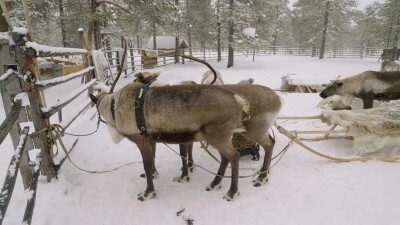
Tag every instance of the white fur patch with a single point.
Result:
(102, 87)
(244, 103)
(115, 134)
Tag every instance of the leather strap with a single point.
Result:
(139, 109)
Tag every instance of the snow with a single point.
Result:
(20, 30)
(6, 75)
(6, 36)
(163, 42)
(249, 32)
(302, 188)
(64, 78)
(48, 49)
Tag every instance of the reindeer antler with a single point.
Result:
(201, 61)
(123, 40)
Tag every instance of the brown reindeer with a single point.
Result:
(368, 86)
(188, 113)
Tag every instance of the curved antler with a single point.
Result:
(123, 40)
(201, 61)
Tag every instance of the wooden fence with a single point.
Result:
(364, 52)
(23, 95)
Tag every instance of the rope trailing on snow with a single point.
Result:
(55, 132)
(281, 154)
(337, 159)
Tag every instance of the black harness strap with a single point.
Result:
(139, 108)
(113, 108)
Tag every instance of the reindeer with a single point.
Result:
(369, 85)
(188, 113)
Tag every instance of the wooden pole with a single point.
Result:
(30, 205)
(7, 124)
(9, 90)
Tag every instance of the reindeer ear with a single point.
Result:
(340, 84)
(93, 98)
(139, 76)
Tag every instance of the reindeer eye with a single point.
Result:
(340, 84)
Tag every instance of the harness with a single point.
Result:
(139, 109)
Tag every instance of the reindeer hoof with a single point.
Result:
(231, 196)
(257, 182)
(213, 187)
(182, 179)
(191, 168)
(144, 196)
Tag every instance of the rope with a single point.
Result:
(55, 132)
(337, 159)
(282, 153)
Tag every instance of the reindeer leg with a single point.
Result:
(145, 146)
(228, 154)
(216, 183)
(267, 143)
(155, 172)
(185, 173)
(368, 101)
(191, 164)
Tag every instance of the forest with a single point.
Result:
(219, 24)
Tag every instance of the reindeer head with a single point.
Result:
(333, 88)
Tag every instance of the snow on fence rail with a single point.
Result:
(44, 84)
(49, 111)
(364, 52)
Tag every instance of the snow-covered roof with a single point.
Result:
(166, 42)
(249, 32)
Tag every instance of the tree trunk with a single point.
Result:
(137, 36)
(94, 26)
(154, 36)
(176, 32)
(275, 35)
(395, 55)
(3, 25)
(62, 20)
(230, 34)
(219, 30)
(325, 30)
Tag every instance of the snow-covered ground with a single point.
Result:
(302, 188)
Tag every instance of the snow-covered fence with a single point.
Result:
(11, 177)
(363, 52)
(26, 85)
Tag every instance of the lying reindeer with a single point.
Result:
(188, 113)
(369, 85)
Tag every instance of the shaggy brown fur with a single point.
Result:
(368, 86)
(188, 113)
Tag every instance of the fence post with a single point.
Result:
(87, 60)
(362, 51)
(29, 71)
(9, 90)
(132, 60)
